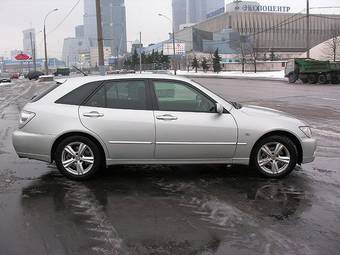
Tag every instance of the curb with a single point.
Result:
(233, 77)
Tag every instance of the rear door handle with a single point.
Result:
(166, 117)
(93, 115)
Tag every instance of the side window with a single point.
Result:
(120, 95)
(174, 96)
(78, 95)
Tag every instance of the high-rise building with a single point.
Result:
(73, 45)
(79, 31)
(114, 25)
(193, 11)
(29, 41)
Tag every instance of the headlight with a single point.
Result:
(25, 117)
(307, 131)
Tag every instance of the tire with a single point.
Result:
(275, 167)
(334, 79)
(312, 78)
(304, 80)
(323, 79)
(292, 78)
(90, 158)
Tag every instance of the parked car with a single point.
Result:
(88, 123)
(34, 75)
(15, 76)
(5, 80)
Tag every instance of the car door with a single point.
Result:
(120, 113)
(188, 126)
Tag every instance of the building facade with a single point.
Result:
(114, 25)
(29, 41)
(192, 11)
(269, 29)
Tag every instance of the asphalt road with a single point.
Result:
(200, 210)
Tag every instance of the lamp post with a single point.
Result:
(173, 41)
(45, 43)
(308, 30)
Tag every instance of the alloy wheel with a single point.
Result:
(273, 158)
(77, 158)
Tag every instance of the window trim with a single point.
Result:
(149, 105)
(155, 99)
(99, 84)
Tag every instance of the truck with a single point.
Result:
(312, 71)
(62, 71)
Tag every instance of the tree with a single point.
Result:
(135, 59)
(205, 64)
(217, 62)
(195, 64)
(254, 52)
(332, 47)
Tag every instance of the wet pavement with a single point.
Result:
(200, 209)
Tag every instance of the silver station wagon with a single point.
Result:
(88, 123)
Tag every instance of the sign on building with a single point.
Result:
(168, 49)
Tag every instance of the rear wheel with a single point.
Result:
(334, 79)
(304, 80)
(78, 158)
(312, 78)
(274, 156)
(323, 79)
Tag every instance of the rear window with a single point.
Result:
(78, 95)
(44, 93)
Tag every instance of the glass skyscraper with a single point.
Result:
(114, 25)
(193, 11)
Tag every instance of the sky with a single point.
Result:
(17, 15)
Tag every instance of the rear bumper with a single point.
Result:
(308, 149)
(32, 146)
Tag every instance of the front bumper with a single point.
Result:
(32, 146)
(308, 149)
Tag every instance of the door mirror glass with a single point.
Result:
(219, 108)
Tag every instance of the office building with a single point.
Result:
(269, 28)
(189, 12)
(114, 25)
(29, 41)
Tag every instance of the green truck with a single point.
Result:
(62, 72)
(312, 71)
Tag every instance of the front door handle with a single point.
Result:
(93, 115)
(166, 117)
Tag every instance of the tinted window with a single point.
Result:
(120, 95)
(174, 96)
(44, 93)
(77, 96)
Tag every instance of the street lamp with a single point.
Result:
(173, 41)
(45, 44)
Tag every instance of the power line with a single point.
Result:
(324, 17)
(67, 15)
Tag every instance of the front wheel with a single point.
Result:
(292, 78)
(275, 156)
(78, 158)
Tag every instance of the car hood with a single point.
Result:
(263, 112)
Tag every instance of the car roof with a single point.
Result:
(93, 78)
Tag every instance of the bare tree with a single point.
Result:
(254, 50)
(332, 47)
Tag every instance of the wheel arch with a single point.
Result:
(78, 133)
(291, 136)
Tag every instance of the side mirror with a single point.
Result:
(219, 108)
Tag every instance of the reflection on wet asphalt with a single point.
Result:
(165, 209)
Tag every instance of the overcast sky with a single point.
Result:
(17, 15)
